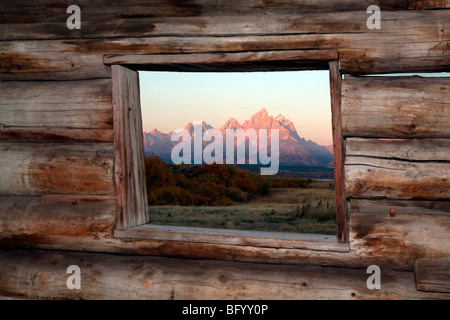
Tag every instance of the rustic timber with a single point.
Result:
(74, 199)
(56, 168)
(221, 25)
(401, 206)
(396, 107)
(432, 275)
(56, 104)
(418, 38)
(367, 177)
(42, 275)
(428, 4)
(50, 10)
(27, 218)
(338, 151)
(401, 238)
(129, 169)
(400, 149)
(235, 237)
(49, 134)
(226, 62)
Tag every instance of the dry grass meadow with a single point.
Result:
(298, 210)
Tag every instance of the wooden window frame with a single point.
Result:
(132, 207)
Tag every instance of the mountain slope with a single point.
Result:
(293, 148)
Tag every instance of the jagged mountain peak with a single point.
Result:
(293, 148)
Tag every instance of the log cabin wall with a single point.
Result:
(57, 185)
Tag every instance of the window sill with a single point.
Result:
(280, 240)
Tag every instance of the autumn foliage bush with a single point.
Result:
(213, 185)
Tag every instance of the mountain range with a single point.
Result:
(294, 150)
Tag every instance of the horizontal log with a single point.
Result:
(401, 238)
(75, 199)
(400, 149)
(43, 275)
(428, 4)
(42, 60)
(393, 179)
(55, 168)
(235, 237)
(61, 104)
(396, 107)
(103, 25)
(408, 42)
(401, 206)
(237, 61)
(38, 12)
(22, 217)
(26, 134)
(432, 275)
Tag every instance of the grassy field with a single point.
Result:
(311, 210)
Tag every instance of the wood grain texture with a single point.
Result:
(432, 275)
(106, 26)
(52, 9)
(402, 238)
(229, 62)
(56, 168)
(338, 151)
(393, 179)
(409, 41)
(22, 217)
(129, 169)
(402, 206)
(75, 199)
(428, 4)
(56, 104)
(400, 149)
(235, 237)
(396, 107)
(132, 277)
(51, 134)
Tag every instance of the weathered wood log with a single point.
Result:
(40, 274)
(60, 104)
(27, 134)
(129, 168)
(74, 199)
(22, 217)
(393, 179)
(432, 275)
(400, 149)
(401, 238)
(23, 12)
(402, 206)
(229, 62)
(235, 237)
(396, 107)
(55, 168)
(409, 35)
(218, 25)
(428, 4)
(338, 152)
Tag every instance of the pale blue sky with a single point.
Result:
(170, 100)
